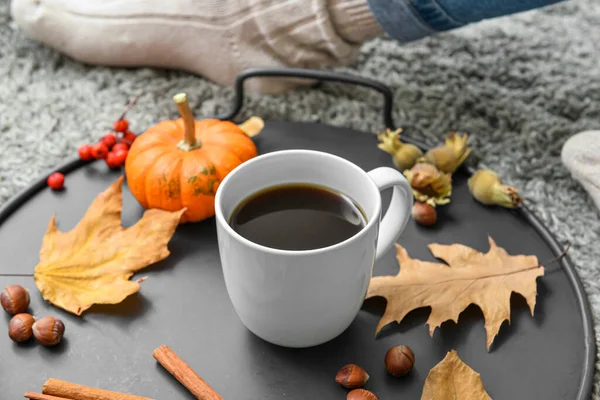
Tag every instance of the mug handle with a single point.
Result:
(398, 213)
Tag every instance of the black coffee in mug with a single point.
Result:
(297, 217)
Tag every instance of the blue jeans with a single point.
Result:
(407, 20)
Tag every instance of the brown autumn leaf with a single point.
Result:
(452, 379)
(92, 263)
(470, 277)
(252, 126)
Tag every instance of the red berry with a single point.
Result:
(99, 150)
(120, 147)
(111, 160)
(109, 140)
(116, 159)
(56, 181)
(129, 137)
(85, 152)
(121, 125)
(121, 156)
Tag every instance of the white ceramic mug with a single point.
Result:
(305, 298)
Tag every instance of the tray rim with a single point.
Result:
(587, 378)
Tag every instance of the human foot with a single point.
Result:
(213, 38)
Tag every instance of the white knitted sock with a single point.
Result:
(213, 38)
(581, 155)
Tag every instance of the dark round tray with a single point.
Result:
(184, 303)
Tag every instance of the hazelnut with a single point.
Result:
(48, 331)
(424, 214)
(20, 327)
(399, 360)
(14, 299)
(361, 394)
(352, 376)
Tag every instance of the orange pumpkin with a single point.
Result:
(177, 164)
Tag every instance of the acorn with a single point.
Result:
(352, 376)
(48, 331)
(14, 299)
(361, 394)
(487, 188)
(20, 327)
(404, 155)
(399, 360)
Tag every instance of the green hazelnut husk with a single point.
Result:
(404, 155)
(451, 155)
(429, 184)
(487, 188)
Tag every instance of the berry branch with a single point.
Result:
(113, 147)
(128, 107)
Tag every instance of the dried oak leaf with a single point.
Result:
(471, 277)
(252, 126)
(92, 263)
(452, 379)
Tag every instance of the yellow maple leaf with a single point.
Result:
(92, 263)
(452, 379)
(471, 277)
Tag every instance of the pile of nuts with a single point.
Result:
(399, 361)
(430, 175)
(15, 301)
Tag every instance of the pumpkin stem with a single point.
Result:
(189, 141)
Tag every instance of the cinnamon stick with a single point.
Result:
(39, 396)
(73, 391)
(184, 374)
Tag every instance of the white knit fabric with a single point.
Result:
(213, 38)
(581, 155)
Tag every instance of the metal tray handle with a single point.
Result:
(312, 74)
